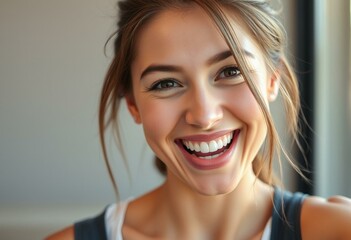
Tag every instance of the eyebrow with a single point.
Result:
(171, 68)
(160, 68)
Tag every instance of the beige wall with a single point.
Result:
(333, 84)
(51, 69)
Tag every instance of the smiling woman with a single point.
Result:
(199, 76)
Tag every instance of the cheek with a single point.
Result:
(248, 111)
(244, 105)
(158, 119)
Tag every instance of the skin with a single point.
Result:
(196, 100)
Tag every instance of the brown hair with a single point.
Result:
(267, 32)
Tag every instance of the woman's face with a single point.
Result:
(197, 112)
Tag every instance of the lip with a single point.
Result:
(209, 164)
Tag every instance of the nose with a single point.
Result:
(204, 110)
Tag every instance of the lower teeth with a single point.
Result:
(211, 156)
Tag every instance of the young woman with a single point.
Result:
(199, 76)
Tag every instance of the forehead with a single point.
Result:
(185, 36)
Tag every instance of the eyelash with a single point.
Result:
(231, 68)
(156, 86)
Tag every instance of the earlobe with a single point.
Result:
(133, 109)
(273, 87)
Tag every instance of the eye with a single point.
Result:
(164, 84)
(229, 72)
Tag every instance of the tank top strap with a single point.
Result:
(91, 229)
(105, 226)
(114, 219)
(286, 215)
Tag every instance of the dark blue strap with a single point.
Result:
(91, 229)
(286, 215)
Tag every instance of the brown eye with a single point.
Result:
(165, 84)
(229, 72)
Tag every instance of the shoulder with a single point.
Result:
(326, 218)
(64, 234)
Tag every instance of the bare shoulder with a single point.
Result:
(326, 218)
(64, 234)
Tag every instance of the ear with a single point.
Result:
(273, 86)
(133, 108)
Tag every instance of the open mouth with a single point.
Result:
(212, 149)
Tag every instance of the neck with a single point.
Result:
(241, 213)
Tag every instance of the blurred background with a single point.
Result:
(52, 65)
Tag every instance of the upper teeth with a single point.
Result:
(208, 147)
